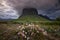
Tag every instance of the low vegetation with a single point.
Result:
(30, 27)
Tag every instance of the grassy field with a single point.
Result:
(30, 18)
(30, 27)
(31, 31)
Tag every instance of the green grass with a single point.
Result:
(8, 31)
(34, 19)
(30, 18)
(49, 26)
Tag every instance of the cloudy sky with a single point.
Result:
(49, 5)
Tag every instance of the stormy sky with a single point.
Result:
(50, 7)
(32, 3)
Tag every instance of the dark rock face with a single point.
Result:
(30, 11)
